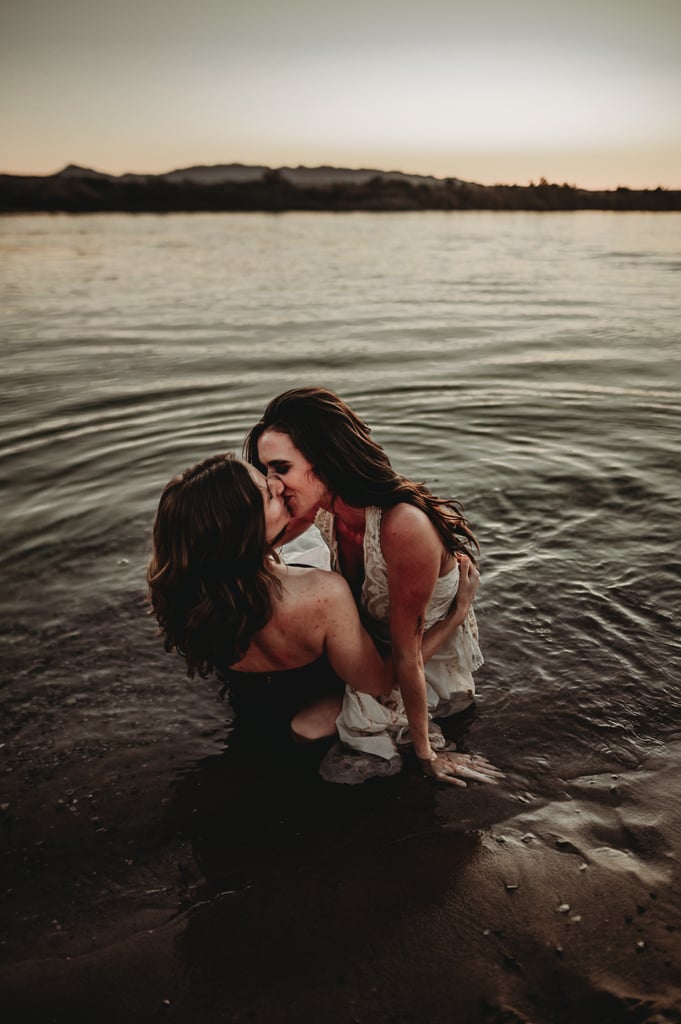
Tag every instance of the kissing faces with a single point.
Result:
(303, 491)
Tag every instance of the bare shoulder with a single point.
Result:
(314, 585)
(405, 525)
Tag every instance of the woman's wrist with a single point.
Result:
(427, 758)
(428, 765)
(458, 611)
(458, 617)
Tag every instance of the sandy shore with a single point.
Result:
(289, 900)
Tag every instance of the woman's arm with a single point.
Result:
(469, 580)
(349, 648)
(412, 552)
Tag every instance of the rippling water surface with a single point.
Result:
(528, 364)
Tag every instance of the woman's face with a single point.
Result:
(304, 492)
(277, 516)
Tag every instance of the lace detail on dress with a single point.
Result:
(325, 523)
(374, 594)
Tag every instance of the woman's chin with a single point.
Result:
(279, 537)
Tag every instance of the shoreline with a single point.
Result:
(206, 904)
(80, 190)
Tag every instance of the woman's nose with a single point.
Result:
(275, 485)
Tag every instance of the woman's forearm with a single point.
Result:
(434, 638)
(411, 681)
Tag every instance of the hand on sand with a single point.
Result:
(455, 768)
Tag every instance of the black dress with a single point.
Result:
(265, 702)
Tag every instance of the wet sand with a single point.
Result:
(229, 889)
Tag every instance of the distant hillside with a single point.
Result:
(223, 174)
(240, 187)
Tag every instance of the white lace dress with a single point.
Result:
(373, 729)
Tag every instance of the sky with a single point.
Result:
(493, 91)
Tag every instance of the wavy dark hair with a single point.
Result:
(342, 453)
(210, 584)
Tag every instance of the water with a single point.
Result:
(527, 364)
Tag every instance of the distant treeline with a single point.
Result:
(273, 192)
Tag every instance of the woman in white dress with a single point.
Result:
(408, 556)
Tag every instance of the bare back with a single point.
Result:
(295, 635)
(314, 615)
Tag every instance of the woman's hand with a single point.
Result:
(469, 581)
(447, 766)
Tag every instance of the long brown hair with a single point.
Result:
(342, 453)
(210, 582)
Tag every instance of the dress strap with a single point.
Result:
(326, 524)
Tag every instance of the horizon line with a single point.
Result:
(531, 183)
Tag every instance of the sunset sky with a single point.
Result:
(587, 92)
